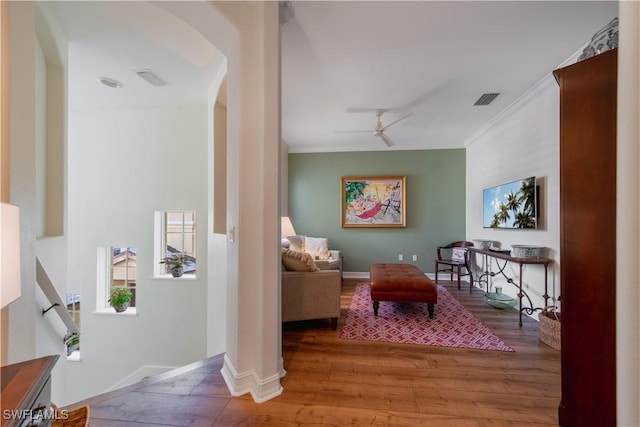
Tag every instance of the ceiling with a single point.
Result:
(112, 39)
(430, 59)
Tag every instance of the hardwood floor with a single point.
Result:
(336, 382)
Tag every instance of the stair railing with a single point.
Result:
(56, 302)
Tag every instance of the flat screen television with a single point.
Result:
(512, 205)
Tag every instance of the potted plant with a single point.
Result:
(119, 298)
(73, 343)
(175, 263)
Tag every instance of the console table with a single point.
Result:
(26, 392)
(507, 258)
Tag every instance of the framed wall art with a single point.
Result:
(373, 201)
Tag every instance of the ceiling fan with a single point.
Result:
(379, 129)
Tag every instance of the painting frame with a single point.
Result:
(369, 201)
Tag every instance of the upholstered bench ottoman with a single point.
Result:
(401, 283)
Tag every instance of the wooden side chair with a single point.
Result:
(76, 417)
(454, 256)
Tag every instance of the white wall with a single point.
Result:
(51, 118)
(22, 313)
(284, 179)
(30, 334)
(50, 200)
(249, 37)
(254, 349)
(49, 328)
(122, 166)
(41, 140)
(119, 168)
(522, 142)
(217, 224)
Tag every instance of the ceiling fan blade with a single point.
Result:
(386, 140)
(398, 120)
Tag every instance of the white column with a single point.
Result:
(253, 348)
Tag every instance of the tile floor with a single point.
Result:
(191, 396)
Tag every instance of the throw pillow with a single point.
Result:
(298, 261)
(296, 243)
(317, 247)
(458, 254)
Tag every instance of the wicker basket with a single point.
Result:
(550, 321)
(526, 251)
(484, 244)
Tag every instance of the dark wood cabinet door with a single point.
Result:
(588, 97)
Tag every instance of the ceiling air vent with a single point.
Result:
(150, 77)
(486, 98)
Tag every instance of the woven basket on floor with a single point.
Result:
(76, 417)
(550, 321)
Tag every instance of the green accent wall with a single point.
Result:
(435, 203)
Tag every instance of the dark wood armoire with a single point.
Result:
(588, 96)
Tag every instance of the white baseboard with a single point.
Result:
(141, 374)
(281, 371)
(365, 275)
(261, 389)
(355, 275)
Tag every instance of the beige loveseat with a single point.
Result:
(318, 248)
(308, 292)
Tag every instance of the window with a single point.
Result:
(72, 340)
(175, 237)
(123, 270)
(116, 268)
(73, 307)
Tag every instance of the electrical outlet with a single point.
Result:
(400, 257)
(415, 257)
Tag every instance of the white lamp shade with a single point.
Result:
(9, 254)
(286, 230)
(286, 227)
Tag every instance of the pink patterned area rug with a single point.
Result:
(452, 325)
